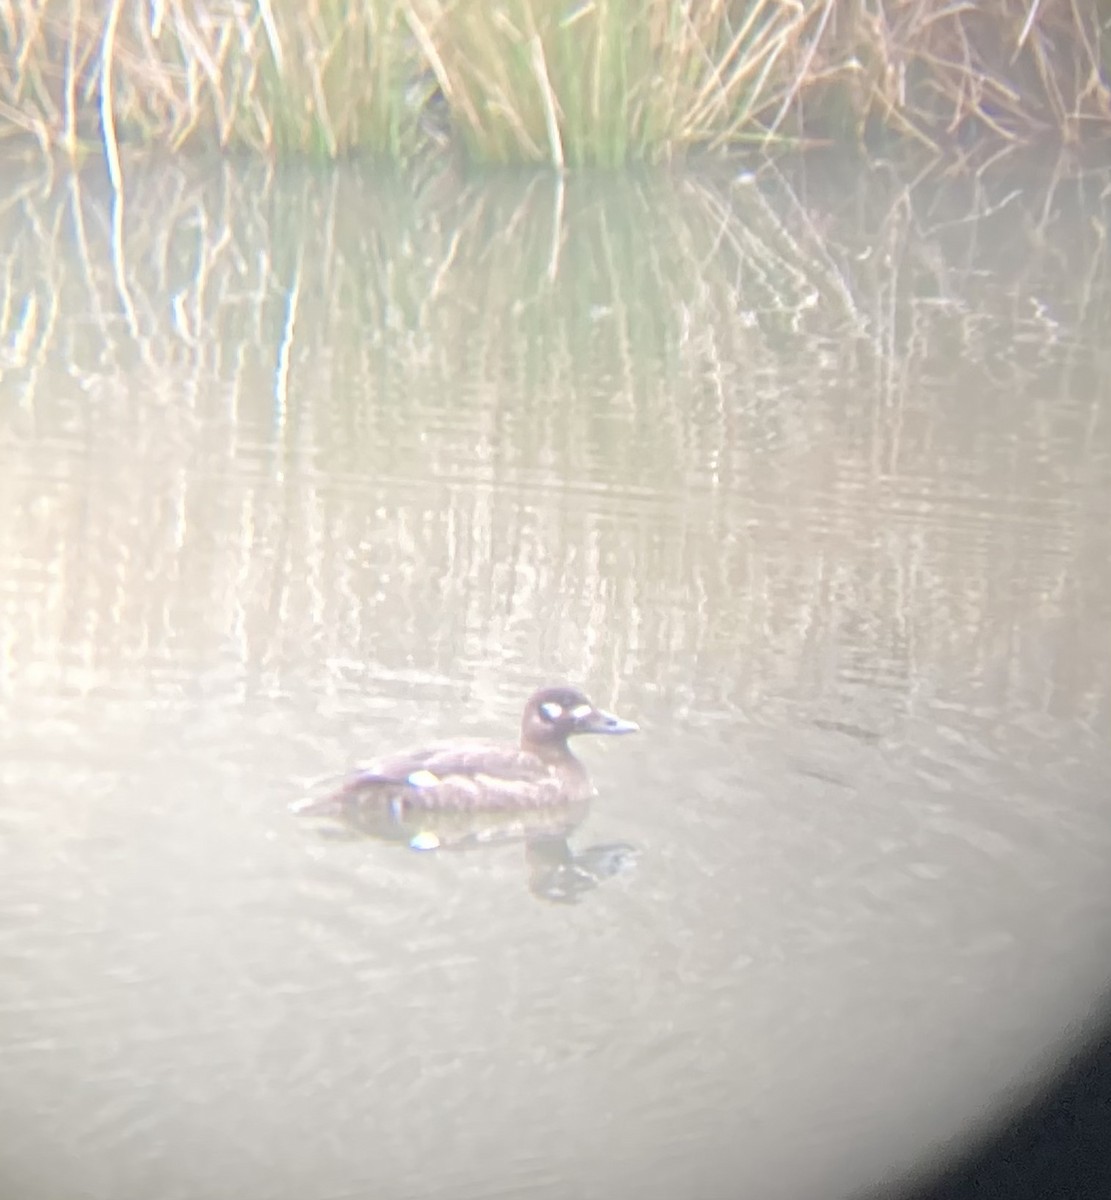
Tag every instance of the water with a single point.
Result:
(806, 473)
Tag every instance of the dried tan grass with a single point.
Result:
(321, 76)
(946, 72)
(600, 82)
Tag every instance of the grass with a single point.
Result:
(321, 76)
(598, 82)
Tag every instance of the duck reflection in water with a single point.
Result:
(471, 791)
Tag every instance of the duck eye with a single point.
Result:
(551, 711)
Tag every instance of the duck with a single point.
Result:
(475, 775)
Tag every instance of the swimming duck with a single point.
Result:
(463, 775)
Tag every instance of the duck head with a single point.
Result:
(553, 714)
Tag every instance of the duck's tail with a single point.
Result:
(321, 802)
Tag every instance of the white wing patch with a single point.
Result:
(422, 779)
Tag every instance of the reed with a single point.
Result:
(951, 74)
(609, 81)
(315, 76)
(600, 82)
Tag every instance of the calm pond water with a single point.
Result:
(807, 473)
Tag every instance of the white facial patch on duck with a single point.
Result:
(583, 710)
(552, 710)
(422, 779)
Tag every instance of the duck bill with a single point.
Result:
(600, 721)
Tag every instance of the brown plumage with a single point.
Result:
(466, 775)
